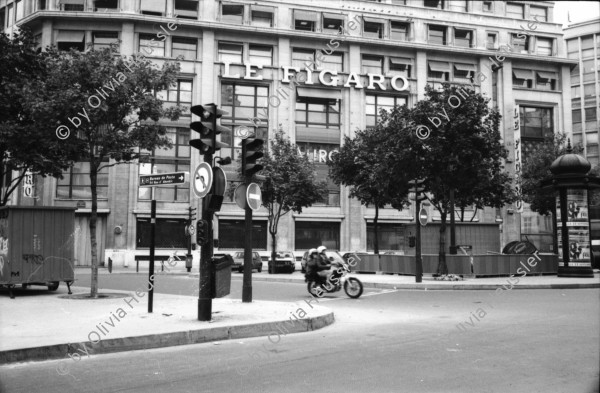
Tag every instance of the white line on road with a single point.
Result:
(364, 295)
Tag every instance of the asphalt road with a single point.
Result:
(386, 341)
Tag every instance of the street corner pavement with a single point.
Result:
(40, 325)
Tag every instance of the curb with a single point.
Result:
(150, 341)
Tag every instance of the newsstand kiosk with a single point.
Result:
(37, 246)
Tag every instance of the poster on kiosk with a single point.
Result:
(577, 227)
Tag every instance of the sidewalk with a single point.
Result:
(39, 324)
(394, 281)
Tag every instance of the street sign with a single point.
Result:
(160, 179)
(219, 181)
(253, 196)
(203, 177)
(240, 196)
(423, 216)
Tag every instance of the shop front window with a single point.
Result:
(391, 237)
(310, 234)
(232, 234)
(169, 233)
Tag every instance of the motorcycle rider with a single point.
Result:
(312, 265)
(323, 263)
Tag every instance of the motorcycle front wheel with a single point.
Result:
(353, 287)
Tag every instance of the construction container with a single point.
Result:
(36, 246)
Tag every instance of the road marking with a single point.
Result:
(363, 295)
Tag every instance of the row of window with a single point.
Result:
(170, 233)
(512, 10)
(530, 79)
(12, 13)
(589, 113)
(586, 45)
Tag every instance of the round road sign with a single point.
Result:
(219, 181)
(191, 230)
(253, 196)
(423, 216)
(240, 196)
(203, 177)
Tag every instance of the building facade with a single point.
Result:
(583, 45)
(319, 70)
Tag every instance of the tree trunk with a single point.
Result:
(375, 231)
(274, 246)
(442, 268)
(93, 219)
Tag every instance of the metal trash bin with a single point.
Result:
(221, 276)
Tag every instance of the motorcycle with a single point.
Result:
(335, 281)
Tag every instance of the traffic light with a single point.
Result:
(251, 151)
(412, 240)
(417, 189)
(208, 128)
(201, 232)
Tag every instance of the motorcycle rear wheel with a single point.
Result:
(312, 287)
(353, 287)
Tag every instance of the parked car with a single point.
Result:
(238, 261)
(284, 261)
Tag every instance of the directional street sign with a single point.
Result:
(203, 177)
(423, 217)
(253, 196)
(164, 178)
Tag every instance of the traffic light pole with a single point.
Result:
(247, 284)
(247, 280)
(206, 252)
(419, 260)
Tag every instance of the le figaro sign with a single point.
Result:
(325, 77)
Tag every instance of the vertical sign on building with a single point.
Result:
(518, 158)
(28, 185)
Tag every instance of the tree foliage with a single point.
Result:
(536, 167)
(464, 153)
(25, 142)
(364, 164)
(291, 182)
(108, 105)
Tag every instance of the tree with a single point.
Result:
(366, 165)
(536, 167)
(464, 154)
(25, 143)
(105, 107)
(291, 183)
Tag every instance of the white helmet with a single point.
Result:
(321, 249)
(312, 251)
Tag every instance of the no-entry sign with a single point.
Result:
(253, 196)
(423, 217)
